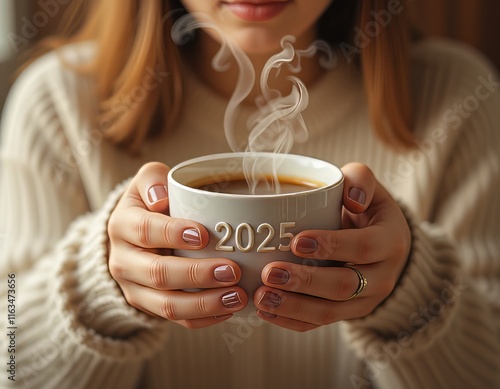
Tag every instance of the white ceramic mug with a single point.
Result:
(254, 229)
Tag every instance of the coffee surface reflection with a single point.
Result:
(265, 186)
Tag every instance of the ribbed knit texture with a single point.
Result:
(60, 181)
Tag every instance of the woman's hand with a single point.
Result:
(141, 239)
(375, 240)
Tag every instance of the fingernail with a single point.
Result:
(270, 300)
(157, 193)
(225, 273)
(231, 300)
(306, 245)
(278, 276)
(192, 237)
(357, 195)
(265, 315)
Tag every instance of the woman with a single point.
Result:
(100, 295)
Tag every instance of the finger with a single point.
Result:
(171, 272)
(332, 283)
(150, 186)
(180, 305)
(359, 187)
(151, 181)
(360, 246)
(146, 229)
(309, 309)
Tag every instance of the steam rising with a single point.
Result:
(277, 123)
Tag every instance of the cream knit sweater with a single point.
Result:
(73, 329)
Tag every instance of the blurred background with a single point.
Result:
(23, 22)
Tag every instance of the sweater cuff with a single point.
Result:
(425, 296)
(94, 306)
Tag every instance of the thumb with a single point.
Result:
(359, 187)
(150, 183)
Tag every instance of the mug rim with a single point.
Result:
(210, 157)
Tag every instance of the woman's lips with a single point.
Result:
(256, 11)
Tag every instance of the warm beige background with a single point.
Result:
(472, 21)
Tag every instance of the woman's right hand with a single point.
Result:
(141, 239)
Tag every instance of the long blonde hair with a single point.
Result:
(133, 38)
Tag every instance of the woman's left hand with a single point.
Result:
(375, 240)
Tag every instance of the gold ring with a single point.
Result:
(362, 282)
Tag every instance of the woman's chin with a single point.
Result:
(259, 44)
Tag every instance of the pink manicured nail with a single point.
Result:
(270, 300)
(231, 300)
(306, 245)
(357, 195)
(225, 273)
(157, 193)
(192, 237)
(278, 276)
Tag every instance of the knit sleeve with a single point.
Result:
(71, 325)
(441, 326)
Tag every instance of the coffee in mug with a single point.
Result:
(264, 186)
